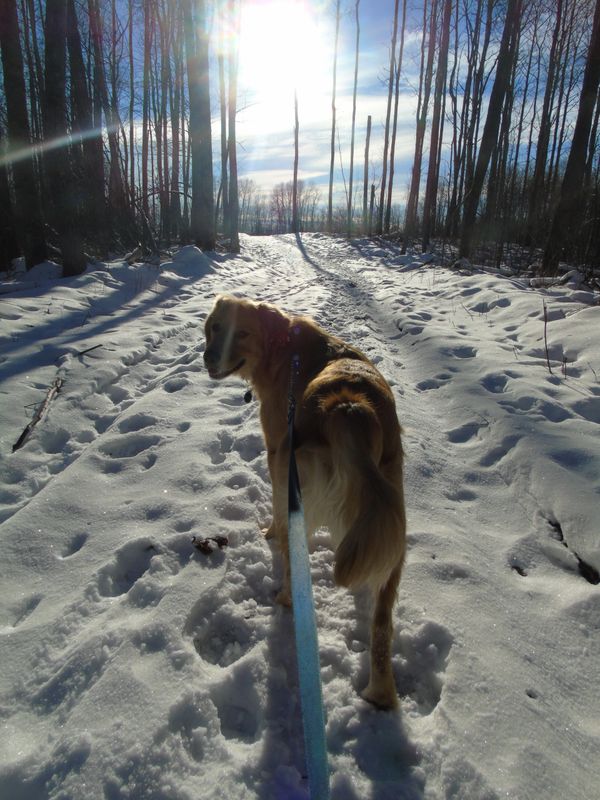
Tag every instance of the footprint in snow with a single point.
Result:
(239, 704)
(588, 409)
(25, 609)
(496, 454)
(74, 545)
(434, 383)
(136, 422)
(128, 445)
(117, 394)
(223, 638)
(54, 441)
(461, 351)
(176, 384)
(461, 496)
(465, 433)
(420, 675)
(495, 383)
(75, 675)
(131, 563)
(190, 720)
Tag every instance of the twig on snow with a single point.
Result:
(41, 410)
(89, 350)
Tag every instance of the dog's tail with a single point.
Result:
(370, 507)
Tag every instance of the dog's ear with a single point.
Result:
(274, 325)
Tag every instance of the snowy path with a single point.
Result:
(135, 667)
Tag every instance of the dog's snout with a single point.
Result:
(211, 358)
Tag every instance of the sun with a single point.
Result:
(283, 49)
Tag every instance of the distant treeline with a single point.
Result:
(105, 124)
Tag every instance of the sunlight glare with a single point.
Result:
(283, 47)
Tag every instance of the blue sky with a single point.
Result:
(285, 43)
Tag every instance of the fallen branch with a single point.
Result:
(41, 410)
(89, 350)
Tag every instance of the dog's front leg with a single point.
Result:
(278, 466)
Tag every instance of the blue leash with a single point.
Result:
(307, 645)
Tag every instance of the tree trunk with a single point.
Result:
(234, 209)
(120, 212)
(93, 156)
(202, 222)
(57, 160)
(566, 222)
(422, 109)
(295, 220)
(224, 146)
(333, 120)
(175, 109)
(388, 115)
(539, 173)
(390, 186)
(366, 179)
(9, 246)
(132, 149)
(506, 56)
(433, 173)
(351, 175)
(28, 213)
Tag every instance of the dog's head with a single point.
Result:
(241, 336)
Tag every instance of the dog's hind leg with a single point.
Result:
(381, 690)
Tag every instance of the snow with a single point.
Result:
(134, 666)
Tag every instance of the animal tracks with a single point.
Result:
(24, 608)
(164, 362)
(131, 562)
(425, 658)
(465, 433)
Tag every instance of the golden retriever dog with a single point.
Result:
(347, 446)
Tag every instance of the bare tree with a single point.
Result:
(427, 62)
(202, 222)
(351, 172)
(295, 218)
(398, 70)
(233, 168)
(539, 174)
(333, 118)
(566, 222)
(57, 163)
(433, 173)
(366, 178)
(92, 172)
(506, 56)
(28, 214)
(388, 114)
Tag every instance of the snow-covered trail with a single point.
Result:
(135, 667)
(479, 513)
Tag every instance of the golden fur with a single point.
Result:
(348, 450)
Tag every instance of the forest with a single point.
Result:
(118, 132)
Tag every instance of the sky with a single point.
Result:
(273, 62)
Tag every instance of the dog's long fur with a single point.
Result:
(348, 449)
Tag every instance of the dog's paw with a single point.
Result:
(270, 532)
(382, 695)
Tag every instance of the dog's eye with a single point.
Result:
(241, 334)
